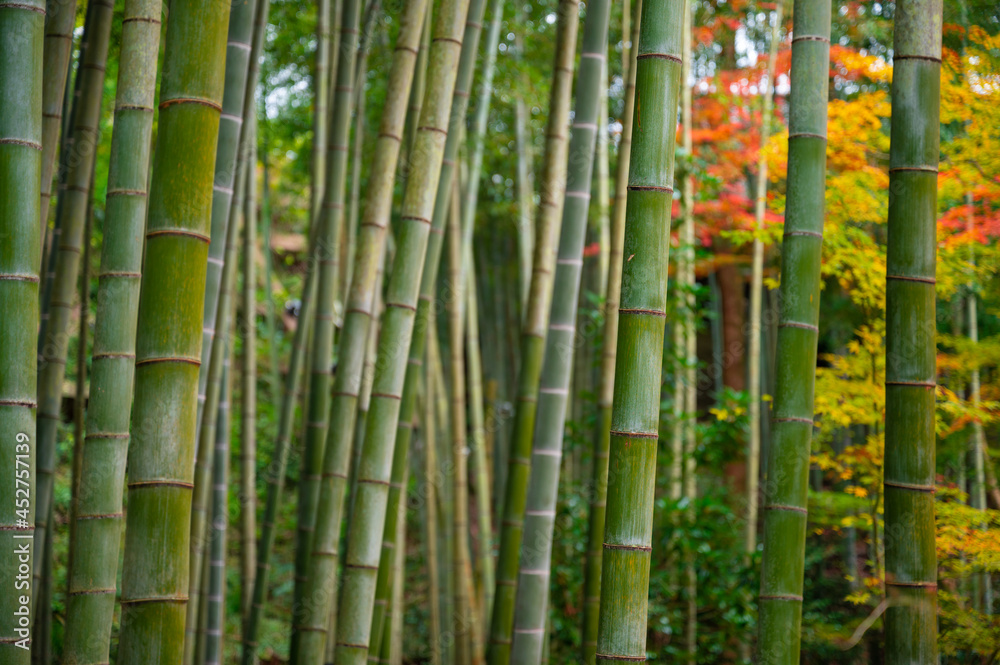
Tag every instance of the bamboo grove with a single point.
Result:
(491, 331)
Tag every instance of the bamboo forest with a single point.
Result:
(499, 332)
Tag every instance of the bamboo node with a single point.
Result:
(631, 548)
(28, 144)
(909, 278)
(629, 659)
(810, 38)
(781, 596)
(912, 384)
(930, 489)
(779, 506)
(661, 56)
(636, 435)
(16, 277)
(633, 310)
(192, 100)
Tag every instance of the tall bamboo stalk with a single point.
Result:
(605, 394)
(322, 74)
(785, 501)
(215, 607)
(757, 289)
(430, 501)
(60, 20)
(168, 345)
(323, 564)
(546, 455)
(73, 214)
(424, 314)
(248, 394)
(635, 412)
(525, 188)
(463, 615)
(307, 612)
(22, 34)
(357, 594)
(910, 556)
(92, 576)
(231, 139)
(202, 528)
(477, 135)
(553, 186)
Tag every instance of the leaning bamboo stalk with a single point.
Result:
(357, 592)
(635, 411)
(788, 456)
(248, 394)
(533, 331)
(430, 498)
(322, 565)
(72, 213)
(757, 290)
(168, 344)
(605, 394)
(239, 57)
(22, 34)
(215, 615)
(201, 535)
(424, 316)
(306, 611)
(910, 374)
(560, 347)
(90, 602)
(60, 20)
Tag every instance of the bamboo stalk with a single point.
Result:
(560, 342)
(533, 334)
(248, 376)
(311, 613)
(910, 557)
(430, 501)
(60, 20)
(59, 304)
(22, 34)
(90, 603)
(602, 439)
(168, 345)
(232, 137)
(788, 455)
(635, 412)
(757, 290)
(323, 564)
(357, 592)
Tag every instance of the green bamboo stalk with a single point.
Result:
(168, 347)
(525, 188)
(424, 317)
(22, 34)
(60, 20)
(463, 614)
(477, 421)
(540, 509)
(242, 72)
(80, 395)
(72, 213)
(202, 534)
(533, 334)
(313, 621)
(477, 136)
(248, 394)
(231, 139)
(757, 291)
(357, 595)
(92, 577)
(688, 388)
(430, 498)
(319, 409)
(785, 500)
(443, 491)
(605, 393)
(215, 618)
(635, 413)
(322, 74)
(910, 557)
